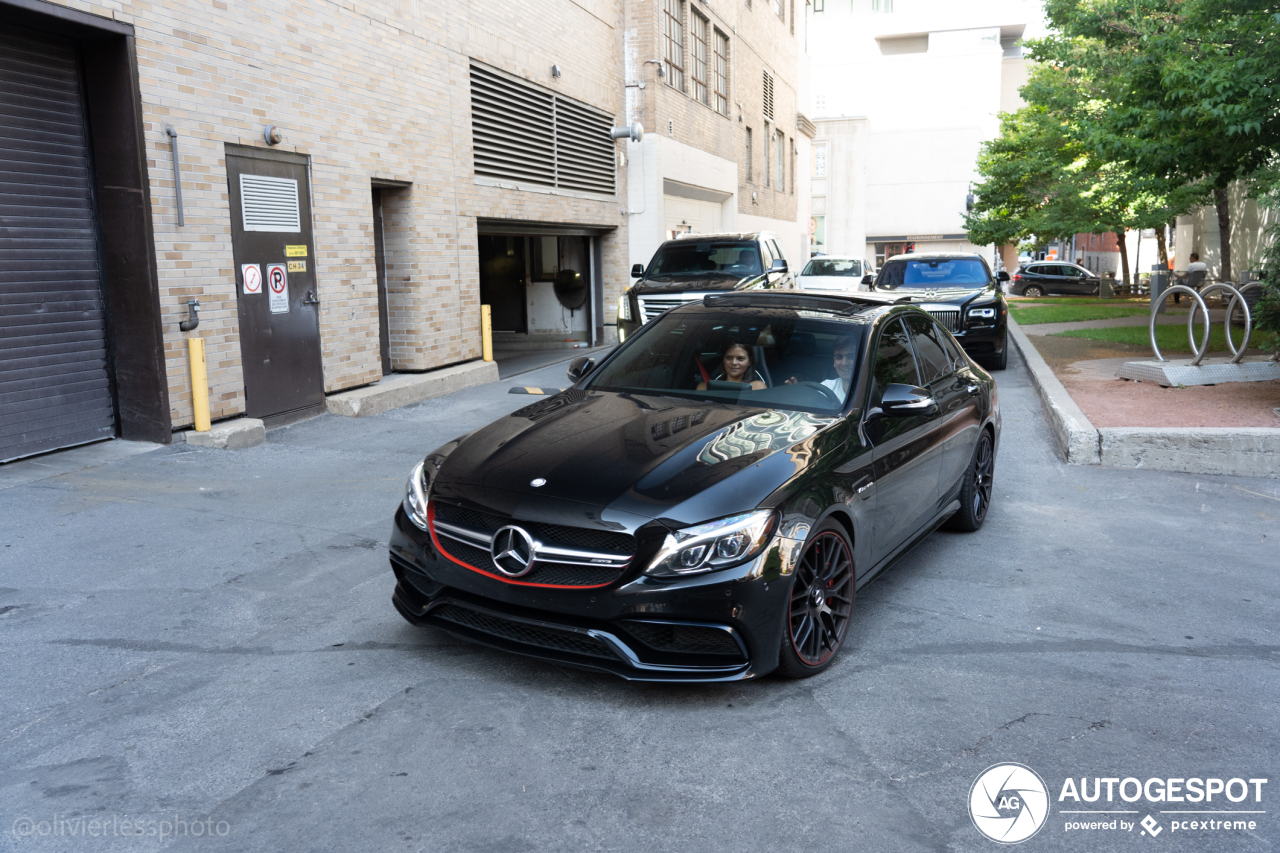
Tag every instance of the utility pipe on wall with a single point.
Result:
(199, 384)
(177, 174)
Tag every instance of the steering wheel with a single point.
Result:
(799, 376)
(832, 395)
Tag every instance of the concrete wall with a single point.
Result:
(841, 196)
(369, 90)
(1199, 233)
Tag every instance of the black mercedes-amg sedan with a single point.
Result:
(704, 504)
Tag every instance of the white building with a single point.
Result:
(905, 92)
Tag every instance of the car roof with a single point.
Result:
(728, 235)
(836, 258)
(847, 304)
(922, 256)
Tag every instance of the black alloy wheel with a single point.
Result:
(821, 603)
(1033, 290)
(975, 491)
(1001, 361)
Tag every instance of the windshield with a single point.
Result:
(833, 266)
(933, 274)
(764, 358)
(707, 257)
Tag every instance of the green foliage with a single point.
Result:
(1034, 314)
(1171, 338)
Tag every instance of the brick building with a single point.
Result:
(430, 156)
(717, 86)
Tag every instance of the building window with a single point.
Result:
(780, 151)
(768, 159)
(699, 55)
(793, 17)
(819, 6)
(820, 159)
(820, 102)
(881, 5)
(750, 177)
(673, 41)
(777, 8)
(768, 96)
(795, 155)
(722, 73)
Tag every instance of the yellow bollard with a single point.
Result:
(486, 333)
(199, 384)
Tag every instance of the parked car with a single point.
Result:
(1044, 277)
(833, 273)
(690, 266)
(657, 523)
(959, 290)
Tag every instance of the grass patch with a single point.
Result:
(1076, 300)
(1170, 338)
(1033, 314)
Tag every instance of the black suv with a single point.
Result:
(689, 267)
(1045, 277)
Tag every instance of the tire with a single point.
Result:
(818, 609)
(976, 488)
(1001, 361)
(1033, 290)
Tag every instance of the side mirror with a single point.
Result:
(637, 271)
(866, 279)
(1002, 276)
(580, 367)
(779, 265)
(900, 401)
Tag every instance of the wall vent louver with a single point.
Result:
(530, 136)
(768, 96)
(269, 204)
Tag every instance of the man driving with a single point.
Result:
(844, 357)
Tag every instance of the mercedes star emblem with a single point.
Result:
(538, 482)
(512, 551)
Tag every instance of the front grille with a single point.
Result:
(651, 306)
(684, 639)
(552, 534)
(522, 632)
(560, 574)
(950, 320)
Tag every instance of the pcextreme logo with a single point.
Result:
(1010, 803)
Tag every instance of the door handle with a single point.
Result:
(311, 298)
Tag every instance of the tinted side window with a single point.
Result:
(933, 361)
(777, 250)
(894, 363)
(958, 360)
(766, 254)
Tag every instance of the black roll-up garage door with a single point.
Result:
(55, 390)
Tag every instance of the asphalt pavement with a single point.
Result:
(200, 644)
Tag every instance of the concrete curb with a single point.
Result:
(230, 435)
(1232, 451)
(1235, 451)
(403, 389)
(1076, 437)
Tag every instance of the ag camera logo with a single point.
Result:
(1008, 803)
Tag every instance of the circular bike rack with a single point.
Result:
(1237, 298)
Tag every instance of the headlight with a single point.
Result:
(982, 313)
(416, 491)
(624, 308)
(714, 545)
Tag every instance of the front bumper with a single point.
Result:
(983, 340)
(720, 626)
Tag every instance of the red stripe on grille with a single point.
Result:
(431, 527)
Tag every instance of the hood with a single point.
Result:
(952, 295)
(694, 284)
(645, 456)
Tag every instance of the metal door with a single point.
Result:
(502, 282)
(55, 388)
(271, 243)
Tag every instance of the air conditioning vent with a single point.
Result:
(530, 136)
(269, 204)
(768, 96)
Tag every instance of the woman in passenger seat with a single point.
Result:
(737, 366)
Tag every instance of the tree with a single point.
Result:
(1191, 87)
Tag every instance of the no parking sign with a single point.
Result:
(278, 288)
